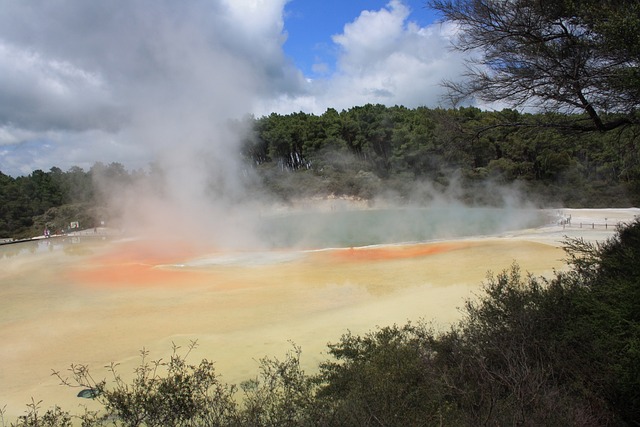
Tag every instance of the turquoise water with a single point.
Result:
(387, 226)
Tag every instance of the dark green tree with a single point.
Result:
(568, 55)
(606, 322)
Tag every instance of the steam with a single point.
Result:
(181, 79)
(186, 91)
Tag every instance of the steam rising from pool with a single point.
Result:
(187, 113)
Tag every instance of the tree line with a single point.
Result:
(364, 149)
(370, 149)
(53, 199)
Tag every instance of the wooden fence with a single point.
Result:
(591, 225)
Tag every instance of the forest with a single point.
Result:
(369, 150)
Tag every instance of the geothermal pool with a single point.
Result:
(95, 300)
(344, 228)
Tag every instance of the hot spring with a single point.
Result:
(345, 228)
(96, 299)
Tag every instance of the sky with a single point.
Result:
(132, 81)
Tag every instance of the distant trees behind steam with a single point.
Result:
(528, 351)
(371, 149)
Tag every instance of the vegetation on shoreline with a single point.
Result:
(367, 151)
(528, 351)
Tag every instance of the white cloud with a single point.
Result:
(372, 36)
(384, 58)
(43, 93)
(110, 81)
(154, 75)
(257, 18)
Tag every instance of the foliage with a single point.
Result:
(568, 55)
(510, 349)
(386, 377)
(54, 417)
(371, 149)
(183, 395)
(607, 316)
(51, 199)
(281, 395)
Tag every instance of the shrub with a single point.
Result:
(182, 395)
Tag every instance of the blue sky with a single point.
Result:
(310, 24)
(137, 81)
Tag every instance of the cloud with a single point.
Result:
(156, 78)
(43, 93)
(42, 150)
(372, 36)
(384, 58)
(150, 75)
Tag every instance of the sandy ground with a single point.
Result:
(95, 303)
